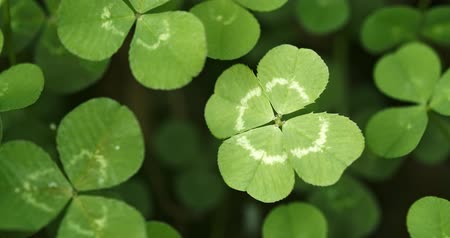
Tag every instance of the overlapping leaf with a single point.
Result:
(429, 217)
(167, 51)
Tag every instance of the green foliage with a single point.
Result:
(93, 154)
(389, 27)
(144, 6)
(159, 229)
(392, 26)
(91, 216)
(64, 72)
(295, 220)
(169, 41)
(322, 17)
(402, 75)
(241, 103)
(262, 5)
(173, 43)
(98, 155)
(27, 18)
(20, 86)
(33, 188)
(429, 217)
(349, 207)
(434, 147)
(231, 31)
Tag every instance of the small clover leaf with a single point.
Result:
(429, 217)
(295, 220)
(174, 43)
(392, 26)
(389, 27)
(260, 159)
(436, 25)
(64, 72)
(440, 102)
(350, 208)
(410, 74)
(93, 154)
(231, 31)
(262, 5)
(93, 216)
(33, 188)
(159, 229)
(325, 16)
(20, 86)
(27, 18)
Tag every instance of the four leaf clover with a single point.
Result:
(260, 158)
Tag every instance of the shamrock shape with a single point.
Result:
(100, 154)
(168, 49)
(411, 74)
(260, 158)
(231, 30)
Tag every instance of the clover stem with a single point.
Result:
(423, 4)
(8, 32)
(339, 72)
(278, 121)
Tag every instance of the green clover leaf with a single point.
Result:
(429, 217)
(20, 86)
(260, 159)
(160, 229)
(412, 74)
(295, 220)
(159, 57)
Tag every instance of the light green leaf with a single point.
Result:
(389, 27)
(90, 216)
(100, 144)
(321, 146)
(440, 101)
(292, 78)
(143, 6)
(262, 5)
(27, 18)
(20, 86)
(409, 74)
(434, 147)
(429, 217)
(173, 44)
(171, 5)
(199, 190)
(231, 31)
(238, 103)
(96, 29)
(395, 132)
(436, 25)
(33, 188)
(324, 16)
(65, 72)
(157, 229)
(255, 162)
(181, 135)
(350, 208)
(295, 220)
